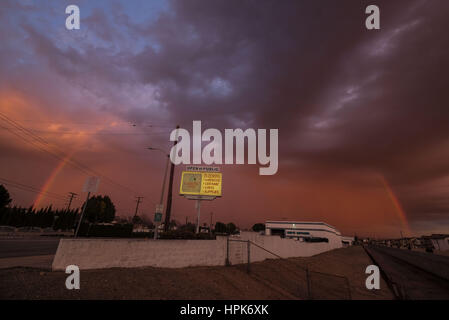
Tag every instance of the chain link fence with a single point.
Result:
(304, 283)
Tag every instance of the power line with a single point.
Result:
(7, 181)
(38, 141)
(99, 133)
(29, 188)
(133, 124)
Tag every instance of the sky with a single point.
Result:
(362, 114)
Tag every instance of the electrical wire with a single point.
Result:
(29, 188)
(40, 143)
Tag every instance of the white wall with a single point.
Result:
(127, 253)
(314, 229)
(124, 253)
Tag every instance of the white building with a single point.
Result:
(304, 231)
(347, 241)
(440, 241)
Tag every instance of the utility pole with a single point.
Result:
(72, 196)
(198, 210)
(160, 206)
(170, 188)
(139, 200)
(210, 226)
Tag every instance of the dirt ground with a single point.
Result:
(270, 279)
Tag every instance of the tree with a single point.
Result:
(189, 227)
(258, 227)
(172, 224)
(137, 220)
(100, 209)
(231, 228)
(4, 197)
(146, 221)
(220, 227)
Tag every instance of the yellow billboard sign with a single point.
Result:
(201, 183)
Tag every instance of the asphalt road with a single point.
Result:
(412, 276)
(27, 247)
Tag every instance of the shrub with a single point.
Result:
(181, 234)
(101, 230)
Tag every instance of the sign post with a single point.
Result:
(91, 185)
(198, 212)
(157, 218)
(201, 183)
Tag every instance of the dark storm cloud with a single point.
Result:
(397, 120)
(95, 63)
(275, 57)
(345, 100)
(343, 97)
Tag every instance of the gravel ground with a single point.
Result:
(270, 279)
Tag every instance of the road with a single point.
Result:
(25, 247)
(413, 275)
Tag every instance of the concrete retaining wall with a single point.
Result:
(131, 253)
(127, 253)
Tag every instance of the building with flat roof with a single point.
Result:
(347, 241)
(304, 231)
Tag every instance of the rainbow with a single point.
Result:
(397, 205)
(48, 183)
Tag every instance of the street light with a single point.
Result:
(170, 185)
(163, 184)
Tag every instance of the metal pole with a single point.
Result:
(249, 261)
(54, 222)
(156, 224)
(210, 226)
(309, 296)
(227, 251)
(170, 189)
(165, 178)
(82, 214)
(198, 211)
(349, 289)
